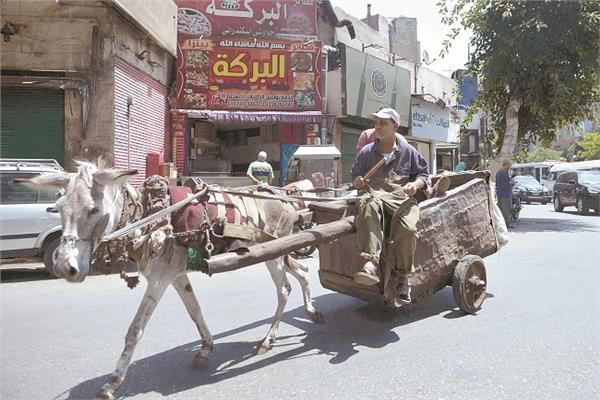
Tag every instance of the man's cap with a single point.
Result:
(386, 113)
(262, 155)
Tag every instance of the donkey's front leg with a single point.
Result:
(283, 288)
(154, 292)
(184, 289)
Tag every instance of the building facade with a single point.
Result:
(82, 81)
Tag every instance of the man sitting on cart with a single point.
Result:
(386, 220)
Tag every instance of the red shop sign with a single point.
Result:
(248, 74)
(291, 19)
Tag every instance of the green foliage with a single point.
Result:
(543, 154)
(590, 147)
(545, 53)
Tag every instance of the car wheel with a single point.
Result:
(49, 255)
(580, 207)
(544, 202)
(558, 205)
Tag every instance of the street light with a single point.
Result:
(373, 45)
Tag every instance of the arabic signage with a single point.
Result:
(284, 19)
(372, 83)
(248, 74)
(430, 121)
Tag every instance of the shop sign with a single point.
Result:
(248, 74)
(290, 19)
(430, 121)
(372, 83)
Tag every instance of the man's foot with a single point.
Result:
(403, 292)
(367, 276)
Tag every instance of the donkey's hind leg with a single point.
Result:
(154, 291)
(301, 274)
(184, 289)
(283, 288)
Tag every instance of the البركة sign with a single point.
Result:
(248, 74)
(284, 19)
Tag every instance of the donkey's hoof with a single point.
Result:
(264, 347)
(104, 395)
(316, 317)
(200, 361)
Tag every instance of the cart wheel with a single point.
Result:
(469, 284)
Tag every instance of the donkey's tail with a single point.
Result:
(293, 264)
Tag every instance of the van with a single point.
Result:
(557, 169)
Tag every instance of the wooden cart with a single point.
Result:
(455, 233)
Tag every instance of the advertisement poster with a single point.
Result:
(261, 19)
(372, 83)
(248, 74)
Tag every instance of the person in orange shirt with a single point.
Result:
(367, 136)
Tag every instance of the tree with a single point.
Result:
(541, 154)
(590, 147)
(538, 63)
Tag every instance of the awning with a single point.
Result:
(256, 116)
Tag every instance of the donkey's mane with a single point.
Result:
(86, 169)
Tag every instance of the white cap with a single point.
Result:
(262, 156)
(386, 113)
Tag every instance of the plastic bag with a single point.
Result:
(498, 221)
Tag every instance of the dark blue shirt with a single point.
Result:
(404, 161)
(503, 186)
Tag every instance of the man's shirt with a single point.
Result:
(261, 170)
(405, 160)
(367, 136)
(503, 186)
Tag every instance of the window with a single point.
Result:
(11, 193)
(472, 145)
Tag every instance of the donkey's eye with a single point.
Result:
(93, 211)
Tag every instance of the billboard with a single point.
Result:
(372, 83)
(248, 74)
(284, 19)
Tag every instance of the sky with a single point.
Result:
(430, 31)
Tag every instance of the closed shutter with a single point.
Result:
(32, 123)
(145, 129)
(349, 140)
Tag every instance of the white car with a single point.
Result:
(30, 225)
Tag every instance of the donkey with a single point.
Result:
(92, 207)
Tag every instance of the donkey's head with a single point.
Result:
(89, 209)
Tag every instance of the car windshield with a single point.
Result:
(589, 178)
(526, 180)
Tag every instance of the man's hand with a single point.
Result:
(359, 182)
(411, 187)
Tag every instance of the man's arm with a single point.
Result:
(250, 176)
(271, 174)
(418, 169)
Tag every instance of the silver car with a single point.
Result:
(29, 223)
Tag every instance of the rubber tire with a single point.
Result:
(558, 207)
(49, 255)
(581, 207)
(458, 284)
(544, 203)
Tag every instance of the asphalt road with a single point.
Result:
(537, 336)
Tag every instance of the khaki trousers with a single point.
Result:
(393, 217)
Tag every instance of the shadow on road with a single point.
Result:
(350, 324)
(526, 225)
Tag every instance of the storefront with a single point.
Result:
(368, 84)
(432, 120)
(33, 121)
(248, 79)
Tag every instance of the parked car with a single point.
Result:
(578, 188)
(531, 190)
(29, 223)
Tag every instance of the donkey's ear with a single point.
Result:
(113, 176)
(49, 182)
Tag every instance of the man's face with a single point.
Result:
(384, 128)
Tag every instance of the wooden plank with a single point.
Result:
(279, 247)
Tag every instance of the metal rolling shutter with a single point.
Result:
(147, 125)
(32, 123)
(349, 140)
